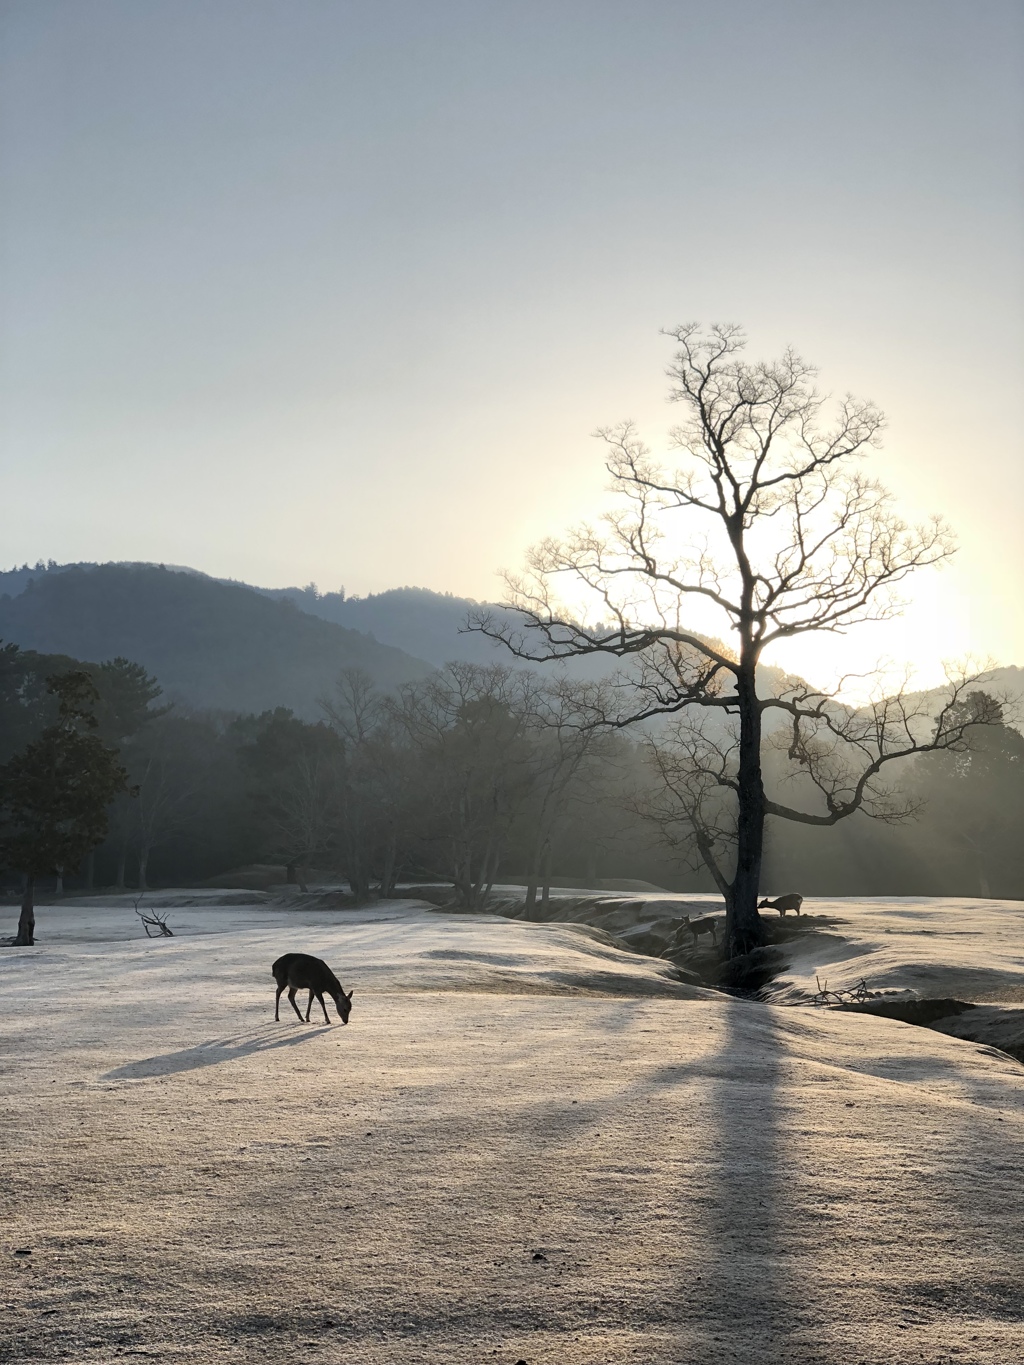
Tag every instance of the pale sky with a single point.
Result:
(337, 291)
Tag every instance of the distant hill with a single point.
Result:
(428, 625)
(431, 625)
(1008, 684)
(231, 646)
(1005, 684)
(210, 644)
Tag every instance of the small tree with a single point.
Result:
(469, 728)
(294, 771)
(126, 696)
(569, 758)
(974, 800)
(55, 793)
(124, 714)
(765, 522)
(377, 791)
(170, 762)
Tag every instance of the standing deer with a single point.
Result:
(300, 972)
(707, 925)
(784, 903)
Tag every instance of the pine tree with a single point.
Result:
(54, 794)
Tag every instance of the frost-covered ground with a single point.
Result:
(527, 1145)
(969, 949)
(958, 950)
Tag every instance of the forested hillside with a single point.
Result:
(427, 625)
(431, 625)
(212, 645)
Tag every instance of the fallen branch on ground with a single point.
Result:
(855, 995)
(154, 924)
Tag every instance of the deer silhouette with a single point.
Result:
(784, 903)
(300, 972)
(707, 925)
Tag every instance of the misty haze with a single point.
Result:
(512, 682)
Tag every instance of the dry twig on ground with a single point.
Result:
(154, 924)
(853, 995)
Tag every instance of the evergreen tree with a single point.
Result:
(54, 794)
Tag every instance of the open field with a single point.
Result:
(526, 1146)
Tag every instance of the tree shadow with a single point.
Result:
(733, 1286)
(748, 1288)
(791, 1234)
(211, 1053)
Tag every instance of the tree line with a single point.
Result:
(472, 776)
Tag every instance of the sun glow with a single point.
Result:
(933, 630)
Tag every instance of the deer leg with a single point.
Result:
(291, 1000)
(312, 993)
(277, 1004)
(323, 1006)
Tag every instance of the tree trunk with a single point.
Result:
(743, 928)
(27, 921)
(358, 875)
(531, 885)
(490, 876)
(387, 876)
(481, 879)
(462, 881)
(289, 874)
(143, 867)
(122, 863)
(90, 870)
(360, 887)
(58, 886)
(302, 878)
(545, 895)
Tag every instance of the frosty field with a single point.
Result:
(527, 1145)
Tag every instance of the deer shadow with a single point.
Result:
(211, 1053)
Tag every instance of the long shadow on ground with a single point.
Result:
(212, 1053)
(750, 1291)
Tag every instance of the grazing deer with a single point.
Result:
(707, 925)
(784, 903)
(300, 972)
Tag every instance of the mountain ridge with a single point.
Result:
(211, 645)
(426, 628)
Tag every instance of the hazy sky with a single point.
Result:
(337, 291)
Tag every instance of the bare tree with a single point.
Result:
(303, 816)
(765, 523)
(375, 792)
(569, 756)
(688, 800)
(469, 727)
(295, 774)
(169, 768)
